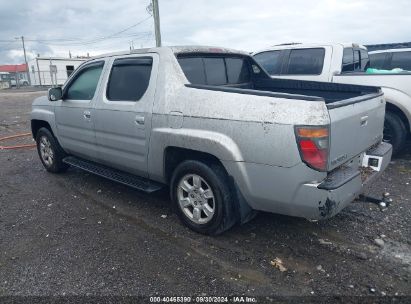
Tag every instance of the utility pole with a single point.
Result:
(25, 60)
(156, 15)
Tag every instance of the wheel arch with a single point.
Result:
(390, 107)
(173, 156)
(37, 124)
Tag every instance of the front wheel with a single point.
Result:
(201, 197)
(395, 132)
(50, 152)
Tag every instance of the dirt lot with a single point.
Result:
(79, 234)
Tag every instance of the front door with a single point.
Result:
(123, 112)
(75, 114)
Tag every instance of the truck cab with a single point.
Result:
(347, 63)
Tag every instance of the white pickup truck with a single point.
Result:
(345, 63)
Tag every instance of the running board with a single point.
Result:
(124, 178)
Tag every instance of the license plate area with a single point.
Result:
(372, 161)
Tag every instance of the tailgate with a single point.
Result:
(355, 125)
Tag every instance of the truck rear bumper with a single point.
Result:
(344, 185)
(280, 190)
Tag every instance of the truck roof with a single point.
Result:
(391, 51)
(310, 45)
(176, 50)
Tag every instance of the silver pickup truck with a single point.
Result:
(211, 123)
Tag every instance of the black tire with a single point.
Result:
(54, 164)
(215, 176)
(395, 132)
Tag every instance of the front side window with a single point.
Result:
(401, 60)
(306, 62)
(377, 60)
(85, 82)
(129, 78)
(270, 61)
(215, 70)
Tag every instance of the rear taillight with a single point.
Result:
(313, 143)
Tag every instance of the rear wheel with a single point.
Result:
(395, 132)
(202, 197)
(50, 152)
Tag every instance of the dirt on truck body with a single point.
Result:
(79, 234)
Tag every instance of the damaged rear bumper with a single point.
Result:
(342, 186)
(286, 190)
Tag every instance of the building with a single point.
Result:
(50, 71)
(387, 46)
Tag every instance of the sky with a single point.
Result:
(81, 27)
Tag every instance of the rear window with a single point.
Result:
(306, 62)
(270, 61)
(215, 70)
(129, 79)
(354, 60)
(377, 60)
(401, 60)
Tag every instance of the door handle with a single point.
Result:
(140, 120)
(364, 121)
(87, 114)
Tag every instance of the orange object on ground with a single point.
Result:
(16, 146)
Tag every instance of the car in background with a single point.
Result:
(347, 63)
(391, 59)
(23, 82)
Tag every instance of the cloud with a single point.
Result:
(247, 25)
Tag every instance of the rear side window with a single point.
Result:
(129, 79)
(270, 61)
(215, 70)
(306, 61)
(354, 60)
(85, 82)
(401, 60)
(357, 64)
(348, 60)
(364, 59)
(377, 60)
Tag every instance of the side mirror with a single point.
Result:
(55, 94)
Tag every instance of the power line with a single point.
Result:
(80, 41)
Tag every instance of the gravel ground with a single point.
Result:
(79, 234)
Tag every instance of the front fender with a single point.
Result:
(44, 114)
(399, 99)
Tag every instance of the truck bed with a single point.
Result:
(330, 92)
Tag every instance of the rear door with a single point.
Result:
(124, 110)
(75, 113)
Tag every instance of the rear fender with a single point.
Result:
(217, 144)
